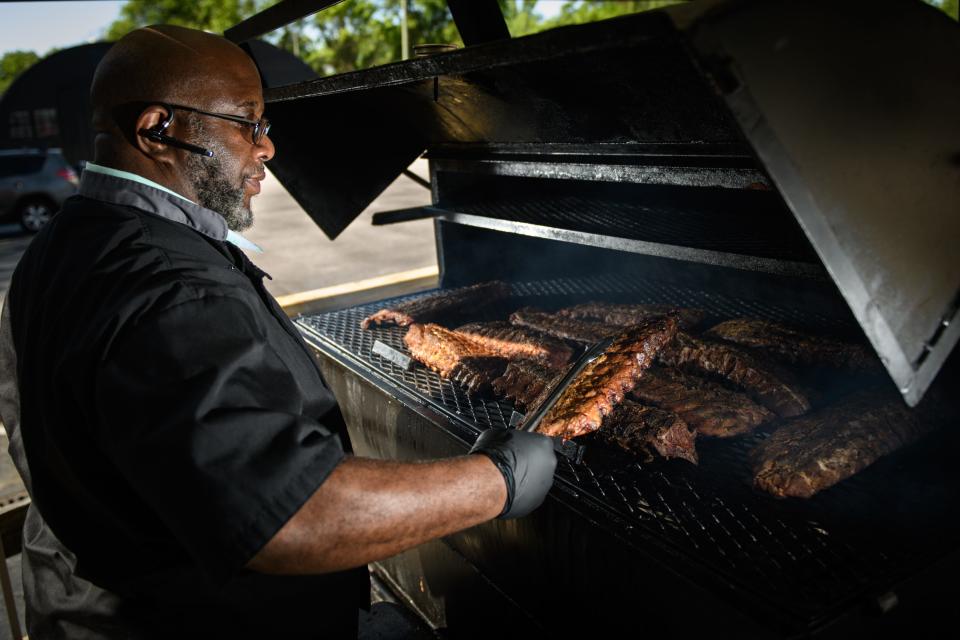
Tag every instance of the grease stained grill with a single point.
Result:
(805, 559)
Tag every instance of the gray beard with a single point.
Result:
(214, 189)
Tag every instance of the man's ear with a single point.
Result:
(152, 120)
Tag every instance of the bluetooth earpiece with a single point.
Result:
(157, 134)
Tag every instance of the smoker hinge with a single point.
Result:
(945, 321)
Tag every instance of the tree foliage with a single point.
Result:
(357, 34)
(362, 33)
(210, 15)
(521, 16)
(582, 11)
(949, 7)
(352, 35)
(12, 64)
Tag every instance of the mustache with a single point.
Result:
(260, 173)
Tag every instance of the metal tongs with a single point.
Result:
(568, 448)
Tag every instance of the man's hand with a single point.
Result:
(527, 462)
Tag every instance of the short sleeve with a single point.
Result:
(203, 418)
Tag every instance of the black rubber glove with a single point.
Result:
(527, 462)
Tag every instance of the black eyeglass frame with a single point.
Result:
(261, 127)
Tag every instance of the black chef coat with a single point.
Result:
(170, 421)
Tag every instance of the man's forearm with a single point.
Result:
(369, 509)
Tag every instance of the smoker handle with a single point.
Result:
(405, 215)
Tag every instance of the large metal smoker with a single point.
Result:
(795, 161)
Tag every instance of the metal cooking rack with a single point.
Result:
(806, 558)
(759, 236)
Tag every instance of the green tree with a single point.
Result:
(430, 22)
(210, 15)
(949, 7)
(215, 16)
(354, 35)
(12, 64)
(521, 17)
(357, 34)
(580, 11)
(363, 33)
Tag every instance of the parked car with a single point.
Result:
(33, 185)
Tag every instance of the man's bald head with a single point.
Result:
(164, 63)
(146, 95)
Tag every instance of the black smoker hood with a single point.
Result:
(847, 109)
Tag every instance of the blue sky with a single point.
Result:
(40, 26)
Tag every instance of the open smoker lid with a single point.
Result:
(853, 109)
(849, 106)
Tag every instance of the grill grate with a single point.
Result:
(709, 228)
(807, 558)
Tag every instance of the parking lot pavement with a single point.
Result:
(297, 254)
(300, 257)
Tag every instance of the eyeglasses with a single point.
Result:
(260, 127)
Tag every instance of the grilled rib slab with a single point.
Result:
(582, 331)
(762, 380)
(809, 454)
(517, 342)
(710, 408)
(624, 315)
(602, 383)
(433, 307)
(795, 347)
(524, 381)
(647, 430)
(454, 356)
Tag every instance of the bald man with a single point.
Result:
(188, 468)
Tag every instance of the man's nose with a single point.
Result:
(264, 150)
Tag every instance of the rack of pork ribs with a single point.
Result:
(662, 383)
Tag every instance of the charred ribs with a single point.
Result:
(624, 315)
(646, 430)
(763, 381)
(582, 331)
(603, 383)
(710, 408)
(794, 347)
(454, 356)
(518, 342)
(809, 454)
(524, 381)
(433, 307)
